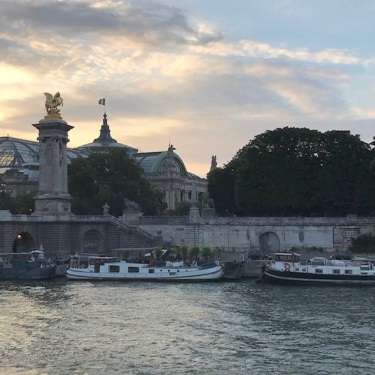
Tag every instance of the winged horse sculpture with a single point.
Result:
(52, 104)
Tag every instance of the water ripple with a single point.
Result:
(63, 327)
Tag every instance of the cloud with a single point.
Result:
(166, 76)
(148, 23)
(256, 49)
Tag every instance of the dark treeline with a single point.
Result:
(110, 178)
(297, 172)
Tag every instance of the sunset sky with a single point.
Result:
(204, 75)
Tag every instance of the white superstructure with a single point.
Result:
(109, 268)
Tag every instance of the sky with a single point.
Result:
(204, 75)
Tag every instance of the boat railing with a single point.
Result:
(318, 261)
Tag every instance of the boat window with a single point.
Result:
(336, 271)
(318, 270)
(114, 268)
(348, 272)
(151, 270)
(287, 257)
(365, 267)
(133, 269)
(318, 262)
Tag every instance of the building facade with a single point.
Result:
(19, 165)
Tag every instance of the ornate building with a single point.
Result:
(19, 165)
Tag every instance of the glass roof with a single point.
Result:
(17, 153)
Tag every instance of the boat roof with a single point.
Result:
(24, 253)
(281, 253)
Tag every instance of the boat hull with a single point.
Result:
(61, 270)
(233, 270)
(26, 273)
(144, 274)
(271, 276)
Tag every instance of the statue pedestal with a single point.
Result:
(194, 214)
(53, 197)
(52, 205)
(131, 217)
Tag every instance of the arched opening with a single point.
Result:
(269, 242)
(23, 243)
(92, 241)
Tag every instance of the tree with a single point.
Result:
(182, 209)
(221, 187)
(110, 178)
(22, 203)
(297, 172)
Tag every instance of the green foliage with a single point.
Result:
(158, 251)
(364, 243)
(173, 250)
(110, 178)
(22, 203)
(125, 254)
(206, 252)
(221, 187)
(182, 209)
(297, 172)
(184, 252)
(193, 253)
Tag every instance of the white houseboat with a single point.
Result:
(288, 268)
(109, 268)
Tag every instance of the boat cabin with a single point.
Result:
(287, 257)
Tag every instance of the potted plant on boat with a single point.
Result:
(158, 251)
(206, 252)
(184, 252)
(193, 253)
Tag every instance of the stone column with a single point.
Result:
(53, 197)
(194, 210)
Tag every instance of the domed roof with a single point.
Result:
(105, 141)
(158, 161)
(17, 153)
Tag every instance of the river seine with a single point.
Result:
(67, 327)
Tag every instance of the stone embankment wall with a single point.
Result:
(235, 234)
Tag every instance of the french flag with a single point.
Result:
(101, 101)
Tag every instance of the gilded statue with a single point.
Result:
(52, 104)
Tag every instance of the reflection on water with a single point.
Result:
(62, 327)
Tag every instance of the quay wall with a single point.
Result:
(235, 234)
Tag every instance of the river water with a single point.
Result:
(68, 327)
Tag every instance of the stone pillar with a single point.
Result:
(194, 210)
(53, 197)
